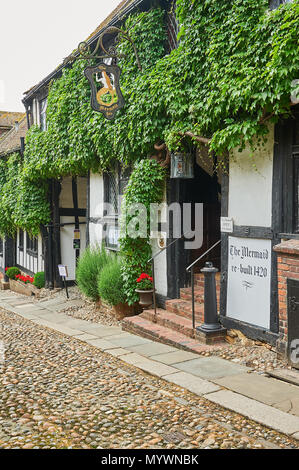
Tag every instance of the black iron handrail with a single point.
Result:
(202, 256)
(191, 268)
(152, 260)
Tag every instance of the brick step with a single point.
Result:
(170, 320)
(145, 328)
(184, 308)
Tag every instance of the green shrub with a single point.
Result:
(110, 283)
(90, 264)
(12, 272)
(39, 280)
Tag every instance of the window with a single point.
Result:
(1, 247)
(31, 247)
(21, 240)
(114, 187)
(276, 3)
(172, 28)
(111, 193)
(43, 114)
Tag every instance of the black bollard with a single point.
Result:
(211, 321)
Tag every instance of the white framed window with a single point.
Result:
(43, 114)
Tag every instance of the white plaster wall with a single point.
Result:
(66, 195)
(32, 263)
(161, 260)
(96, 195)
(68, 254)
(250, 185)
(41, 264)
(2, 260)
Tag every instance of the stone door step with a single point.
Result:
(170, 320)
(145, 328)
(286, 375)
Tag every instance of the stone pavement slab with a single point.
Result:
(211, 367)
(175, 357)
(51, 302)
(52, 317)
(263, 389)
(85, 337)
(259, 412)
(28, 316)
(100, 330)
(289, 406)
(101, 344)
(57, 327)
(153, 367)
(127, 340)
(117, 352)
(192, 383)
(287, 375)
(151, 348)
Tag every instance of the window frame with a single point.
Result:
(43, 114)
(31, 246)
(286, 157)
(21, 246)
(111, 220)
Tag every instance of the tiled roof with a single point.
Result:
(11, 141)
(8, 118)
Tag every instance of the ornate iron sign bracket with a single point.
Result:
(106, 95)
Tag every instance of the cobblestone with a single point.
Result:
(57, 392)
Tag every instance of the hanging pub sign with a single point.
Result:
(106, 96)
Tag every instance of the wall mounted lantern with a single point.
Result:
(182, 165)
(106, 95)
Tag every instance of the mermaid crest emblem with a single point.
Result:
(106, 96)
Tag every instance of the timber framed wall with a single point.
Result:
(248, 197)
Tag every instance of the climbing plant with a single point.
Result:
(23, 203)
(230, 75)
(146, 186)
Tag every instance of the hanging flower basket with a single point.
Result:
(145, 290)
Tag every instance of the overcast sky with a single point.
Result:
(36, 35)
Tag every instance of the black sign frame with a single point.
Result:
(108, 110)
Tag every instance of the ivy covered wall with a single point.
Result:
(230, 74)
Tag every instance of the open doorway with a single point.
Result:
(204, 188)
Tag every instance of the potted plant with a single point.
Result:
(145, 290)
(111, 289)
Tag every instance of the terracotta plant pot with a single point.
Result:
(145, 297)
(123, 310)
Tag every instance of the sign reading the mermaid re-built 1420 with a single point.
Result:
(249, 280)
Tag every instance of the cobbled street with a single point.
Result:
(57, 392)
